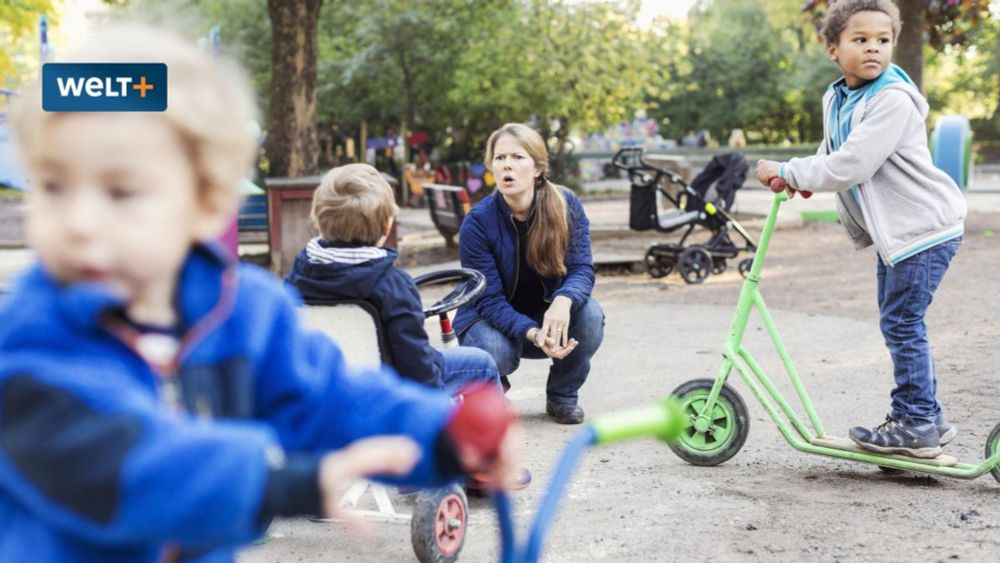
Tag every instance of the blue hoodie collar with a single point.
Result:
(892, 75)
(199, 290)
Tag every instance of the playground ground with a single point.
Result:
(636, 501)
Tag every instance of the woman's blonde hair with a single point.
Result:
(209, 104)
(548, 235)
(353, 203)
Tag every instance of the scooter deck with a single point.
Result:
(849, 446)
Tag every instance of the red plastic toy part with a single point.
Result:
(777, 185)
(481, 420)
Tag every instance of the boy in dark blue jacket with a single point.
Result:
(158, 402)
(353, 210)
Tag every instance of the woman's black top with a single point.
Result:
(529, 295)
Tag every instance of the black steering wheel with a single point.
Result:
(471, 284)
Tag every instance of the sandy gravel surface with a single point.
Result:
(639, 502)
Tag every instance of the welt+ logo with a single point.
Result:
(104, 87)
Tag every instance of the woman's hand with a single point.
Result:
(555, 323)
(383, 455)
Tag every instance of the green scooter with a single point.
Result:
(716, 420)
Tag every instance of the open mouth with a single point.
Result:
(507, 179)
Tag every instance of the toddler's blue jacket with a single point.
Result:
(98, 464)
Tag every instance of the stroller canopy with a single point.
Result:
(720, 179)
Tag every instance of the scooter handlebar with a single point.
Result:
(663, 419)
(779, 185)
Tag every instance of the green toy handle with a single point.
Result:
(663, 420)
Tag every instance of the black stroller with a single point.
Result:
(706, 202)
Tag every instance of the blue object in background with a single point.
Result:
(951, 148)
(10, 176)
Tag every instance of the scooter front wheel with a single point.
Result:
(992, 446)
(710, 438)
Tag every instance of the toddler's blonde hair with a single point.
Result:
(209, 104)
(353, 203)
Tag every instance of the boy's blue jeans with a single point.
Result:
(464, 366)
(566, 376)
(904, 293)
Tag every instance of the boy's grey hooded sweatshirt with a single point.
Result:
(907, 204)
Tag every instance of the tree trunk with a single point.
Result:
(910, 47)
(292, 147)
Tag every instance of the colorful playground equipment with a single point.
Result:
(951, 148)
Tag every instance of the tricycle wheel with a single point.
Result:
(694, 264)
(714, 437)
(745, 266)
(992, 447)
(658, 265)
(437, 529)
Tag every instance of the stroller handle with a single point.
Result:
(624, 158)
(779, 185)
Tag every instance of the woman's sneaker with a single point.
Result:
(897, 437)
(946, 430)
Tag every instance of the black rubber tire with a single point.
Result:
(694, 447)
(658, 266)
(992, 445)
(718, 266)
(744, 267)
(694, 265)
(424, 529)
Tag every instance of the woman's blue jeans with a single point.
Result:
(566, 376)
(904, 293)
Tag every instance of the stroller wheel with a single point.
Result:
(745, 266)
(694, 265)
(718, 266)
(658, 265)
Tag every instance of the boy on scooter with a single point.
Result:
(889, 194)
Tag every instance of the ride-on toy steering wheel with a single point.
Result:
(471, 284)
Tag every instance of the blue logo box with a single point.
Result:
(104, 87)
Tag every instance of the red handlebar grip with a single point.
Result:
(481, 420)
(779, 184)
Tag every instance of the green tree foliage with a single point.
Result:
(741, 63)
(462, 68)
(17, 21)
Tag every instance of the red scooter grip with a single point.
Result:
(481, 420)
(779, 185)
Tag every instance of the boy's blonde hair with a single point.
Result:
(353, 203)
(209, 104)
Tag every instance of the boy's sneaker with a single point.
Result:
(946, 430)
(897, 437)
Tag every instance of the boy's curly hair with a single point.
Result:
(835, 19)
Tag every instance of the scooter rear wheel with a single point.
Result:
(992, 446)
(721, 434)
